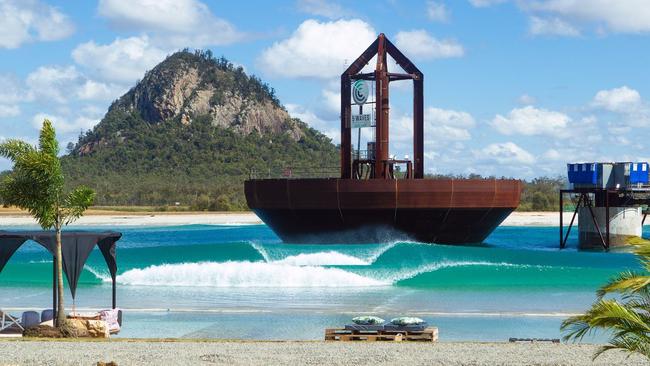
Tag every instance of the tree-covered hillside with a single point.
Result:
(191, 132)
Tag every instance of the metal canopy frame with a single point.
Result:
(73, 252)
(382, 47)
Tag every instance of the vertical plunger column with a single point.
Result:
(418, 126)
(346, 133)
(382, 109)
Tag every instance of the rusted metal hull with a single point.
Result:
(362, 211)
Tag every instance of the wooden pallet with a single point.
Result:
(344, 335)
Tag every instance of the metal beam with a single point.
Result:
(561, 220)
(575, 212)
(382, 110)
(366, 76)
(362, 60)
(418, 127)
(607, 218)
(397, 76)
(346, 132)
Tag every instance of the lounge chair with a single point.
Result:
(113, 319)
(390, 327)
(364, 327)
(30, 319)
(7, 321)
(47, 315)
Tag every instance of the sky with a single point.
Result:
(512, 88)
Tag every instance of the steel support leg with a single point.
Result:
(561, 223)
(607, 218)
(600, 234)
(575, 213)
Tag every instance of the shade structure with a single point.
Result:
(76, 246)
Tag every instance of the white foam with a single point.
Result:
(244, 274)
(331, 258)
(328, 258)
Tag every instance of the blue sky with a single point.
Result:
(512, 88)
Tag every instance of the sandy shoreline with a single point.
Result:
(231, 218)
(304, 353)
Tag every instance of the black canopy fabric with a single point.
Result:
(76, 246)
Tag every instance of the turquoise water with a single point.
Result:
(235, 281)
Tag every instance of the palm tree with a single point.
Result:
(627, 318)
(36, 184)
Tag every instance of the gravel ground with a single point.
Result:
(139, 352)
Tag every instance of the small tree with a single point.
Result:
(36, 184)
(627, 318)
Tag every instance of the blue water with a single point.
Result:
(242, 282)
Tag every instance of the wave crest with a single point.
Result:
(244, 274)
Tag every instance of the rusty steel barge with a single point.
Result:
(375, 199)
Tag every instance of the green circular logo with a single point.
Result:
(360, 92)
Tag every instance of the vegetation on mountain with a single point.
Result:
(191, 132)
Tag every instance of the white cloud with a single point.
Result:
(553, 154)
(437, 11)
(63, 124)
(176, 23)
(623, 99)
(485, 3)
(324, 8)
(123, 60)
(94, 90)
(564, 17)
(330, 129)
(446, 124)
(9, 111)
(62, 84)
(532, 121)
(30, 20)
(332, 101)
(318, 49)
(11, 89)
(627, 16)
(551, 26)
(53, 83)
(420, 44)
(526, 99)
(504, 153)
(441, 127)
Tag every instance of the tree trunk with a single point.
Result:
(60, 315)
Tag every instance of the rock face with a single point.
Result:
(190, 85)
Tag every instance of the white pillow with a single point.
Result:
(407, 320)
(368, 320)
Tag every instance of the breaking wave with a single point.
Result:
(288, 275)
(244, 274)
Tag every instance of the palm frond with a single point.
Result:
(627, 317)
(12, 148)
(625, 282)
(76, 202)
(47, 142)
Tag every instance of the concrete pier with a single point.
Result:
(624, 222)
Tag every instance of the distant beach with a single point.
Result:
(117, 218)
(142, 352)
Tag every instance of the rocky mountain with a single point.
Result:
(191, 131)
